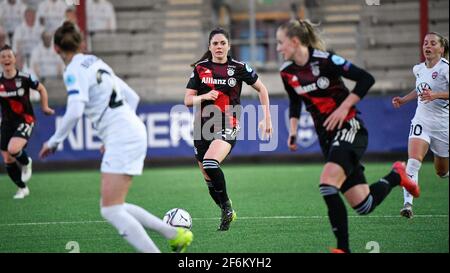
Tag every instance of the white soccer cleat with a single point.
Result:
(27, 171)
(21, 193)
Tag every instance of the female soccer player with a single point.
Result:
(313, 76)
(17, 119)
(429, 127)
(110, 104)
(215, 86)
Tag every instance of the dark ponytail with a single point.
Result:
(68, 37)
(208, 54)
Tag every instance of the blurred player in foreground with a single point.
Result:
(313, 76)
(94, 90)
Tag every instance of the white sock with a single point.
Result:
(129, 228)
(148, 220)
(412, 170)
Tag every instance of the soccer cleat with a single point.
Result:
(27, 171)
(406, 182)
(22, 193)
(182, 240)
(228, 216)
(337, 251)
(407, 211)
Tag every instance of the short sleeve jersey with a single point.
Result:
(90, 80)
(434, 115)
(226, 78)
(15, 98)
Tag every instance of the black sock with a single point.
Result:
(22, 157)
(383, 187)
(378, 191)
(212, 169)
(337, 214)
(15, 174)
(212, 192)
(392, 178)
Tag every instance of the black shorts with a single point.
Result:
(346, 149)
(202, 146)
(8, 131)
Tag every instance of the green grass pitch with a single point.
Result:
(279, 209)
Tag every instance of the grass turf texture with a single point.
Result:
(279, 210)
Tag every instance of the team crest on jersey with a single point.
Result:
(18, 83)
(434, 75)
(230, 71)
(315, 69)
(323, 82)
(232, 82)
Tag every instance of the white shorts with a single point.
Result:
(125, 149)
(438, 140)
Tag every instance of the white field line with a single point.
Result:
(239, 218)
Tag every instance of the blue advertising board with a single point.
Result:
(169, 128)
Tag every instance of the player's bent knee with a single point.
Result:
(14, 151)
(366, 206)
(210, 166)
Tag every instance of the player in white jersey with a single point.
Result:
(429, 127)
(94, 90)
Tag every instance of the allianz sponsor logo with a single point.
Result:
(16, 93)
(210, 80)
(306, 89)
(322, 83)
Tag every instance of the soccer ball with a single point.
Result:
(178, 218)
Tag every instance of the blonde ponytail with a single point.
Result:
(306, 32)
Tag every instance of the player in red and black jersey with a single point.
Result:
(215, 86)
(17, 118)
(313, 76)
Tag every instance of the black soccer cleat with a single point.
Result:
(228, 216)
